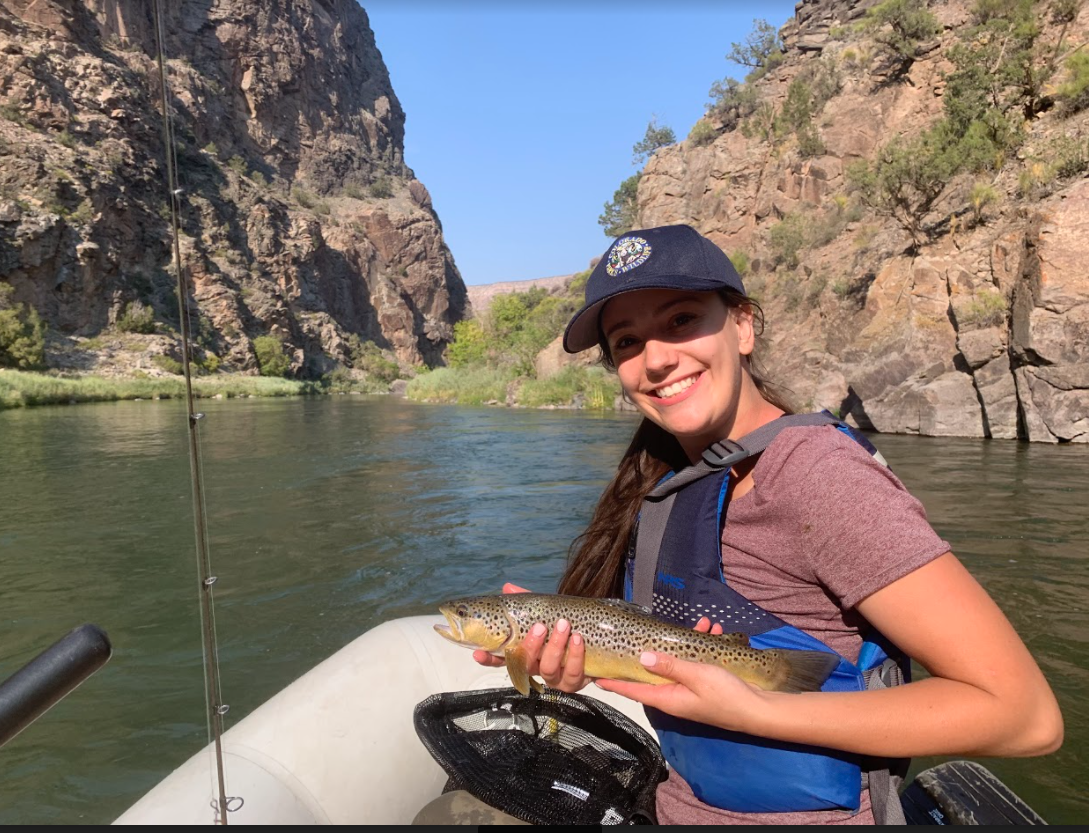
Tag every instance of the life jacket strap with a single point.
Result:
(884, 783)
(718, 456)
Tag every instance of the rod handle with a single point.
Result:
(48, 678)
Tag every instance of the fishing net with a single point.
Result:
(550, 758)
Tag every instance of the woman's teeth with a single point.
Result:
(675, 388)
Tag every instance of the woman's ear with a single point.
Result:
(746, 330)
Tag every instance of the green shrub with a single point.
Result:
(732, 101)
(809, 143)
(470, 386)
(303, 197)
(22, 333)
(740, 260)
(578, 282)
(982, 195)
(166, 363)
(621, 212)
(13, 113)
(271, 358)
(1002, 64)
(986, 309)
(209, 362)
(594, 387)
(1073, 93)
(1069, 156)
(900, 27)
(381, 188)
(761, 124)
(83, 214)
(702, 133)
(906, 177)
(470, 345)
(762, 50)
(788, 237)
(368, 357)
(656, 137)
(1065, 11)
(137, 318)
(797, 109)
(237, 164)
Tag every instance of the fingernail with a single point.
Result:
(538, 629)
(648, 659)
(562, 626)
(576, 639)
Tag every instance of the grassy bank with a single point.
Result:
(580, 387)
(585, 387)
(22, 388)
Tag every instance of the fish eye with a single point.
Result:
(462, 610)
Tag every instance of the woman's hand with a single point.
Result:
(557, 659)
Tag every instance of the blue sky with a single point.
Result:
(520, 118)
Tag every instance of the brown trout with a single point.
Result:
(615, 633)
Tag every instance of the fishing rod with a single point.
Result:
(216, 709)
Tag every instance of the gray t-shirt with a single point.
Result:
(824, 526)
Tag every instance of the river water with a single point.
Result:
(328, 515)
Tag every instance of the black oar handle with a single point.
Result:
(44, 681)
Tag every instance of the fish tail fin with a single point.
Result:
(807, 670)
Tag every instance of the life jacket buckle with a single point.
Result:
(722, 454)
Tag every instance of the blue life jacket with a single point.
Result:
(726, 769)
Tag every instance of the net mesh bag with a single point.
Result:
(549, 758)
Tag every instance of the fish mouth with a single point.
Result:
(452, 629)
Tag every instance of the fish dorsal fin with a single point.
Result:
(630, 607)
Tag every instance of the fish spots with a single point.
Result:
(615, 633)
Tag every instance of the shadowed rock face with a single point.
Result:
(299, 216)
(980, 331)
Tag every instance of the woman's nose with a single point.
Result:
(659, 356)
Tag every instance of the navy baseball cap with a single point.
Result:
(666, 257)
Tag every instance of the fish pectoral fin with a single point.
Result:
(518, 671)
(806, 670)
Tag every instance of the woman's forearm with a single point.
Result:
(931, 717)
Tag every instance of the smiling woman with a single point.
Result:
(825, 551)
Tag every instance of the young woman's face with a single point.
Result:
(679, 358)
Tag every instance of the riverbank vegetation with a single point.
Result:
(23, 388)
(495, 357)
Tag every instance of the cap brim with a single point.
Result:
(582, 331)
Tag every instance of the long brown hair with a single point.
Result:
(595, 559)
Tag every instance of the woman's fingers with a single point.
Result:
(574, 677)
(513, 588)
(552, 664)
(704, 626)
(484, 658)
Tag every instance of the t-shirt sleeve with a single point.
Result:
(860, 528)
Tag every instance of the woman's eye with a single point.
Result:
(623, 343)
(683, 318)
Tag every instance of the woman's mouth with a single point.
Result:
(675, 390)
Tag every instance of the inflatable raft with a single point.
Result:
(338, 746)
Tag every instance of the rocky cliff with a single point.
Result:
(974, 323)
(299, 217)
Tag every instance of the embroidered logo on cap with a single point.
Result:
(626, 254)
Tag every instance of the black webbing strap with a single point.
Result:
(658, 503)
